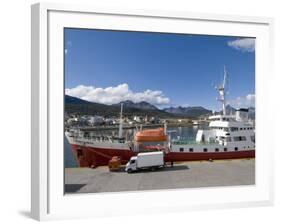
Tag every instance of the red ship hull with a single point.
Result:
(93, 157)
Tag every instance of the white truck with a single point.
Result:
(146, 160)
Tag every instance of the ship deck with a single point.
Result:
(182, 175)
(192, 142)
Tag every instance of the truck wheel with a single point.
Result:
(129, 171)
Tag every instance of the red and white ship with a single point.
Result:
(228, 137)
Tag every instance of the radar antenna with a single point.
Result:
(222, 92)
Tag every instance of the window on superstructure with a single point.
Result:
(233, 129)
(205, 150)
(181, 149)
(253, 138)
(228, 139)
(190, 149)
(225, 149)
(236, 148)
(216, 149)
(239, 138)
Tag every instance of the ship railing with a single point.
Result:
(95, 138)
(101, 139)
(193, 142)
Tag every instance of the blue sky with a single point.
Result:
(161, 68)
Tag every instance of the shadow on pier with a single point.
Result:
(70, 188)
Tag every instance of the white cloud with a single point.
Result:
(116, 94)
(243, 44)
(243, 101)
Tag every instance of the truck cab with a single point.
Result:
(131, 165)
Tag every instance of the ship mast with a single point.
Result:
(221, 89)
(121, 122)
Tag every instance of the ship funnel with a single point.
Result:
(242, 115)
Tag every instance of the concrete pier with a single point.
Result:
(181, 175)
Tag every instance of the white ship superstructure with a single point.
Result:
(226, 133)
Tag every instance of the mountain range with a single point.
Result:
(141, 105)
(74, 105)
(189, 111)
(79, 106)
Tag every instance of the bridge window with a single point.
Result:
(228, 139)
(253, 138)
(181, 149)
(233, 129)
(239, 138)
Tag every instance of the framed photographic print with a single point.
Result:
(163, 110)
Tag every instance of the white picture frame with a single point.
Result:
(48, 199)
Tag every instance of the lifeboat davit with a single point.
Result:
(151, 135)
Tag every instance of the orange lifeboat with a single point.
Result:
(151, 135)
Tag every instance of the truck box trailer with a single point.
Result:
(147, 160)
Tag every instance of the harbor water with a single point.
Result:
(177, 133)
